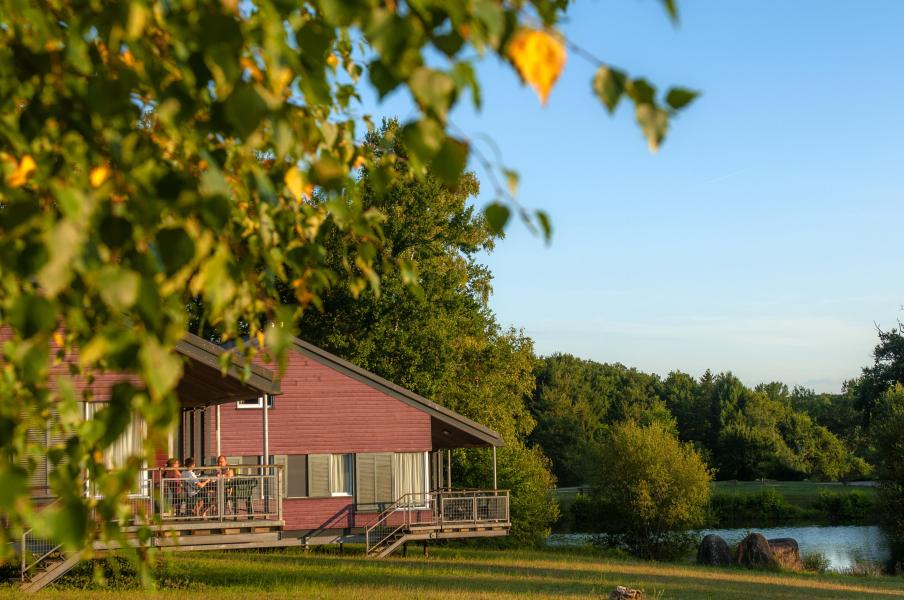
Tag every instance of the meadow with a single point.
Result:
(456, 573)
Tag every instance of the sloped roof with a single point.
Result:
(457, 431)
(203, 381)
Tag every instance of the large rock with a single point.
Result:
(786, 553)
(625, 593)
(713, 551)
(754, 552)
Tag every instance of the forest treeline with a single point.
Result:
(744, 433)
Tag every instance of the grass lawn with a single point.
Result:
(464, 573)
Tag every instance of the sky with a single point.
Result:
(764, 238)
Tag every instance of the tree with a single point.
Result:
(156, 153)
(441, 340)
(648, 484)
(888, 432)
(886, 371)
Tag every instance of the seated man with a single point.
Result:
(195, 488)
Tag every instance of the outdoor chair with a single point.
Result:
(237, 490)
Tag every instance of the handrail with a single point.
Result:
(456, 507)
(45, 546)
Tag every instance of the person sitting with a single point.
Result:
(173, 490)
(195, 488)
(225, 470)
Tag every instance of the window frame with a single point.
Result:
(254, 404)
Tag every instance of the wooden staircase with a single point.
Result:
(438, 515)
(49, 569)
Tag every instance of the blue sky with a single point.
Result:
(765, 236)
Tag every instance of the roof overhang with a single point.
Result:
(448, 428)
(203, 382)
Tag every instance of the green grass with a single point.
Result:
(463, 574)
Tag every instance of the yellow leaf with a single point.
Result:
(58, 339)
(298, 186)
(332, 61)
(99, 175)
(359, 162)
(260, 339)
(24, 168)
(539, 58)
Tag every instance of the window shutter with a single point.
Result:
(297, 476)
(283, 460)
(365, 480)
(383, 470)
(319, 475)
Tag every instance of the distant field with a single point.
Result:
(464, 574)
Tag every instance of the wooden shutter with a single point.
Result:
(365, 481)
(373, 480)
(283, 460)
(319, 475)
(297, 476)
(384, 478)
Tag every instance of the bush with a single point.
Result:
(669, 545)
(888, 433)
(648, 484)
(817, 562)
(845, 507)
(764, 507)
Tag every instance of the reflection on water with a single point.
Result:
(842, 546)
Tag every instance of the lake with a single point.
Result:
(843, 546)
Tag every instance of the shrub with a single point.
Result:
(649, 484)
(845, 507)
(816, 562)
(766, 506)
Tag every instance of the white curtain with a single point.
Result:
(340, 474)
(130, 443)
(409, 475)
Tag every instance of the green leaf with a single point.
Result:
(423, 139)
(671, 7)
(433, 91)
(118, 287)
(175, 248)
(678, 98)
(32, 314)
(497, 216)
(654, 123)
(245, 109)
(609, 86)
(641, 91)
(545, 225)
(161, 368)
(449, 163)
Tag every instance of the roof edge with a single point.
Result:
(446, 415)
(208, 353)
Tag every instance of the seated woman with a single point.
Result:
(195, 489)
(173, 490)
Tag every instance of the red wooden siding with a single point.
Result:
(322, 411)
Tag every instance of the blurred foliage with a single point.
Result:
(159, 154)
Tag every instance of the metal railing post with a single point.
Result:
(221, 494)
(22, 551)
(474, 507)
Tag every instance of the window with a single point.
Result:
(409, 477)
(329, 475)
(255, 403)
(384, 477)
(130, 443)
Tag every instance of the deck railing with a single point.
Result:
(236, 492)
(438, 508)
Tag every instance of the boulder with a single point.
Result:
(713, 551)
(624, 593)
(786, 553)
(754, 552)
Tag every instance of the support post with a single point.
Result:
(449, 470)
(265, 460)
(495, 486)
(219, 450)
